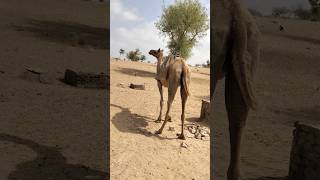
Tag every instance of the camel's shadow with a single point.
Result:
(136, 72)
(126, 121)
(70, 33)
(49, 164)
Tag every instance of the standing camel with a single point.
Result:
(235, 52)
(172, 72)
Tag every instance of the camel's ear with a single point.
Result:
(159, 50)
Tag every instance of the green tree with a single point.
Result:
(121, 52)
(134, 55)
(302, 13)
(315, 9)
(184, 22)
(142, 57)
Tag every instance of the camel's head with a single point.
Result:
(156, 53)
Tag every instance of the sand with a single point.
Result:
(287, 85)
(51, 130)
(54, 131)
(136, 152)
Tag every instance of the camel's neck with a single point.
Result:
(160, 60)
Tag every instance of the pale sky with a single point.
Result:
(132, 26)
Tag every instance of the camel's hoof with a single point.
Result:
(158, 132)
(181, 136)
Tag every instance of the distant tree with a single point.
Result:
(184, 22)
(134, 55)
(255, 12)
(142, 57)
(121, 52)
(280, 11)
(302, 13)
(315, 9)
(206, 64)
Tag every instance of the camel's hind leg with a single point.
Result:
(161, 101)
(237, 115)
(172, 89)
(184, 97)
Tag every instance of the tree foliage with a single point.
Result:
(136, 55)
(184, 22)
(315, 9)
(121, 51)
(302, 13)
(280, 11)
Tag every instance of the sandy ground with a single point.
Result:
(287, 89)
(136, 152)
(52, 130)
(55, 131)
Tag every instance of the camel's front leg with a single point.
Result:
(171, 93)
(161, 101)
(237, 115)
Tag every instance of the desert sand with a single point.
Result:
(288, 90)
(287, 86)
(48, 129)
(135, 151)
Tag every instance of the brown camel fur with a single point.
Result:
(172, 72)
(235, 52)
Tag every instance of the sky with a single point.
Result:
(265, 6)
(132, 26)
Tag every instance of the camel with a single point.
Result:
(235, 52)
(172, 72)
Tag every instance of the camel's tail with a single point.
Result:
(186, 78)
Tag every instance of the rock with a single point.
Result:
(86, 80)
(189, 135)
(184, 145)
(205, 107)
(203, 133)
(305, 153)
(198, 135)
(137, 86)
(191, 129)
